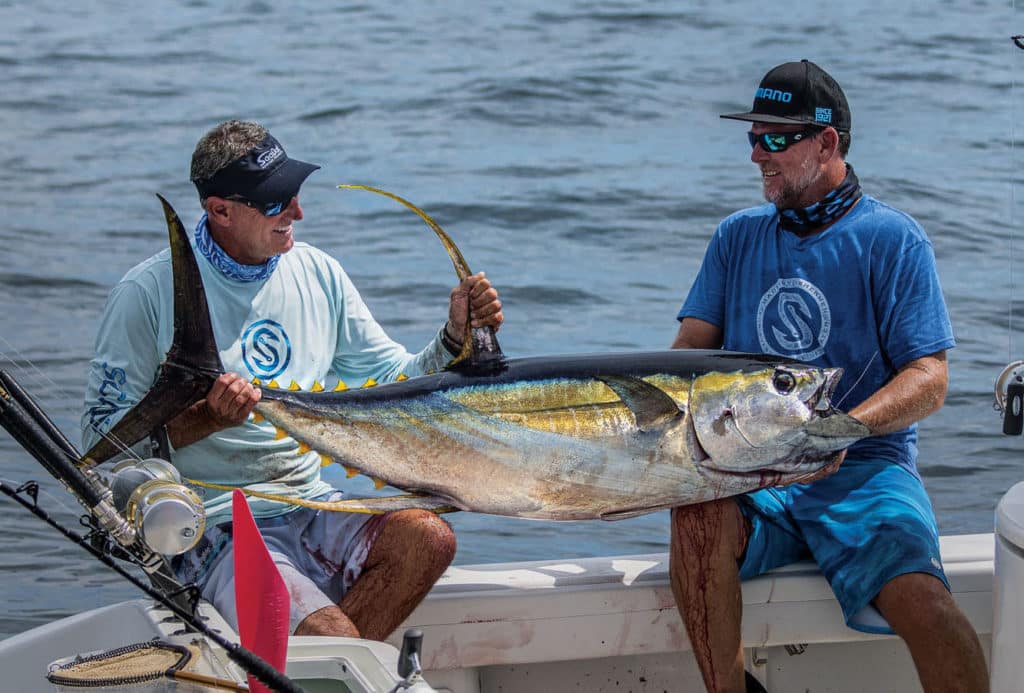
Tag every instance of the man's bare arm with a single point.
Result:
(697, 334)
(917, 391)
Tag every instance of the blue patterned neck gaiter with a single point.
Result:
(223, 262)
(830, 208)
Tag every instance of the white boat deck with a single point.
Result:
(610, 624)
(596, 624)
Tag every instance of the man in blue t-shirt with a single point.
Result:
(828, 275)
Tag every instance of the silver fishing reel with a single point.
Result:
(1009, 392)
(167, 516)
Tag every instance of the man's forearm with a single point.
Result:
(193, 424)
(917, 391)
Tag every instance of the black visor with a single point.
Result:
(264, 174)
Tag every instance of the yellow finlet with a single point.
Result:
(273, 384)
(317, 387)
(325, 460)
(257, 382)
(294, 386)
(401, 377)
(304, 448)
(341, 386)
(350, 471)
(378, 483)
(279, 433)
(370, 382)
(258, 418)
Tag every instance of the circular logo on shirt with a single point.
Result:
(266, 349)
(793, 320)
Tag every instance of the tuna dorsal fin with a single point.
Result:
(651, 406)
(480, 350)
(191, 365)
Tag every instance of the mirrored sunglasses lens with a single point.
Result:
(770, 141)
(774, 141)
(274, 209)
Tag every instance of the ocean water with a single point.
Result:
(572, 149)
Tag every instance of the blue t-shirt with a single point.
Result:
(863, 295)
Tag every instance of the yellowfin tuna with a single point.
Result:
(561, 438)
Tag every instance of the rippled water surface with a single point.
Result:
(573, 149)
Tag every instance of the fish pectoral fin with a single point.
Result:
(651, 406)
(386, 504)
(835, 432)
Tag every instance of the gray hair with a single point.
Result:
(223, 144)
(844, 143)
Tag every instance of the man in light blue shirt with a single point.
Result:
(280, 310)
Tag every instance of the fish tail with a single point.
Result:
(191, 365)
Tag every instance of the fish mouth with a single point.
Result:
(821, 401)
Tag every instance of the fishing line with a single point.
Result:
(1018, 41)
(34, 372)
(76, 511)
(861, 377)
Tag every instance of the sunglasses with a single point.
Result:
(780, 141)
(267, 209)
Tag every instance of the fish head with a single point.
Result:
(778, 419)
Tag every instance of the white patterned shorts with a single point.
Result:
(320, 554)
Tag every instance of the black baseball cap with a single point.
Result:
(263, 174)
(800, 93)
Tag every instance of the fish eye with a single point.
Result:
(784, 382)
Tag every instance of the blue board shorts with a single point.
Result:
(319, 553)
(866, 524)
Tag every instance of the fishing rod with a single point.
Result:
(248, 660)
(110, 531)
(28, 425)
